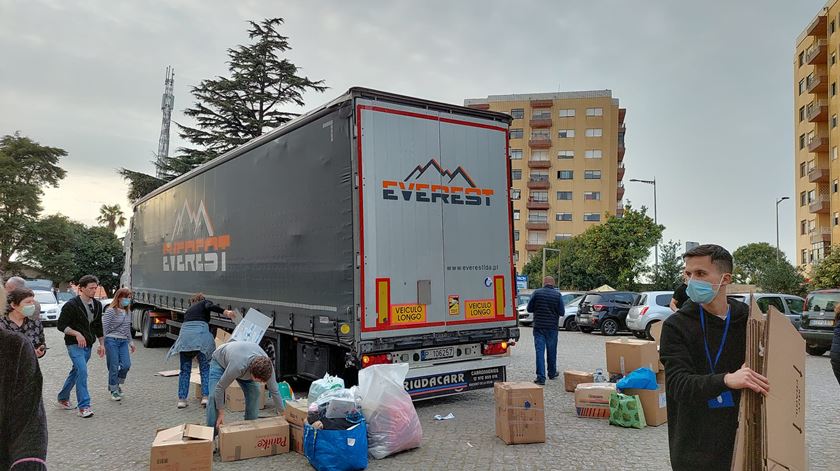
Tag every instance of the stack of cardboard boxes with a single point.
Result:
(296, 412)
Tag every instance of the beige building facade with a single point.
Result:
(567, 163)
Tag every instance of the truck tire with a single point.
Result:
(609, 327)
(815, 350)
(148, 340)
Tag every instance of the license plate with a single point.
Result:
(159, 326)
(822, 322)
(437, 353)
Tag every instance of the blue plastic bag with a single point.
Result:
(336, 450)
(643, 378)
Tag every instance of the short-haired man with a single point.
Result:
(247, 364)
(81, 322)
(547, 306)
(703, 347)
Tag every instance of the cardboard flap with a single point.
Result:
(198, 432)
(169, 435)
(755, 311)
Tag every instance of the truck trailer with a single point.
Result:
(374, 229)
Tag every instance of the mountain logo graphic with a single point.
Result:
(194, 218)
(420, 170)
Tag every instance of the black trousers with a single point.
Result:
(835, 365)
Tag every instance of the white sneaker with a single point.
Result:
(115, 396)
(204, 401)
(85, 413)
(182, 404)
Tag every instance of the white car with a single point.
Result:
(50, 307)
(570, 300)
(652, 307)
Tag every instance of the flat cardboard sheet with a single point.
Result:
(252, 328)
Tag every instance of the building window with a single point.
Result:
(541, 134)
(803, 170)
(812, 196)
(515, 194)
(516, 257)
(801, 114)
(594, 132)
(564, 195)
(562, 236)
(516, 236)
(541, 155)
(802, 86)
(564, 133)
(833, 88)
(516, 134)
(592, 195)
(566, 154)
(516, 174)
(594, 154)
(834, 185)
(803, 228)
(570, 113)
(833, 58)
(831, 27)
(515, 214)
(836, 218)
(834, 153)
(563, 216)
(804, 256)
(541, 114)
(537, 216)
(594, 174)
(801, 141)
(834, 121)
(594, 112)
(516, 154)
(565, 174)
(538, 196)
(592, 216)
(812, 225)
(803, 198)
(517, 113)
(536, 238)
(801, 58)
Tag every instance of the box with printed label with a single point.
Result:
(186, 446)
(253, 439)
(296, 438)
(592, 400)
(653, 403)
(296, 412)
(520, 414)
(626, 355)
(235, 398)
(572, 378)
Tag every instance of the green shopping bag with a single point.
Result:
(626, 411)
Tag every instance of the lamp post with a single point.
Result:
(655, 220)
(778, 252)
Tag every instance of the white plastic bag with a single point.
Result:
(393, 424)
(320, 386)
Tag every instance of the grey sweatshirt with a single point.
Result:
(235, 358)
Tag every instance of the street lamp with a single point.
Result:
(778, 252)
(652, 182)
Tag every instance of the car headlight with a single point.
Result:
(52, 311)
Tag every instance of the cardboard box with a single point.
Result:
(235, 398)
(253, 439)
(296, 412)
(222, 336)
(656, 333)
(653, 403)
(572, 378)
(592, 400)
(296, 438)
(660, 377)
(626, 355)
(183, 447)
(520, 414)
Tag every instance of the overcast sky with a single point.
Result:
(707, 85)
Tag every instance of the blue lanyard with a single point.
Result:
(722, 340)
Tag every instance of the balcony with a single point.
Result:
(622, 112)
(816, 83)
(533, 247)
(479, 106)
(818, 27)
(535, 204)
(818, 144)
(820, 205)
(535, 163)
(540, 123)
(540, 143)
(620, 174)
(821, 235)
(621, 150)
(542, 103)
(817, 111)
(536, 226)
(538, 183)
(619, 195)
(816, 54)
(818, 175)
(619, 209)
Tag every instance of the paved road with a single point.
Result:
(120, 434)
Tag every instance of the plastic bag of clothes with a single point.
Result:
(392, 421)
(642, 378)
(626, 411)
(320, 386)
(337, 449)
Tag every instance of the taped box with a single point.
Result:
(592, 400)
(654, 404)
(253, 439)
(296, 412)
(187, 446)
(520, 412)
(626, 355)
(572, 378)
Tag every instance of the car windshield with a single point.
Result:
(822, 301)
(591, 299)
(575, 302)
(44, 297)
(65, 296)
(567, 298)
(522, 299)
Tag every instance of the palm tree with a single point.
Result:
(112, 216)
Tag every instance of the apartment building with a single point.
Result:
(567, 163)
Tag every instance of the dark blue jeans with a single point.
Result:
(251, 390)
(186, 371)
(118, 360)
(546, 339)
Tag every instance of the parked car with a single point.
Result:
(64, 296)
(606, 311)
(817, 324)
(569, 320)
(527, 318)
(788, 304)
(652, 307)
(49, 306)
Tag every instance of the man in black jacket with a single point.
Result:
(703, 347)
(547, 306)
(81, 322)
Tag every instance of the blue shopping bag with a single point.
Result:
(336, 450)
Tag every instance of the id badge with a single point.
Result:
(722, 401)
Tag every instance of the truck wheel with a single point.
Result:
(148, 340)
(570, 325)
(609, 327)
(647, 330)
(585, 330)
(815, 350)
(133, 333)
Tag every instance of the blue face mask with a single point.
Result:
(125, 302)
(702, 292)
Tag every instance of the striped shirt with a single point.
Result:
(116, 323)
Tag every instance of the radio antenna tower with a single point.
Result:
(166, 105)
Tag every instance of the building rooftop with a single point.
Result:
(542, 96)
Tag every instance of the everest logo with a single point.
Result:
(449, 191)
(194, 245)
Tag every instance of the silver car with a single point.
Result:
(527, 318)
(652, 307)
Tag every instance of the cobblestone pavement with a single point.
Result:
(118, 437)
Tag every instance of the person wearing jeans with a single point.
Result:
(79, 356)
(186, 371)
(547, 305)
(116, 325)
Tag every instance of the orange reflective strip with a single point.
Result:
(383, 299)
(499, 294)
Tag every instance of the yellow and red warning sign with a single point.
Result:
(454, 305)
(480, 309)
(407, 314)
